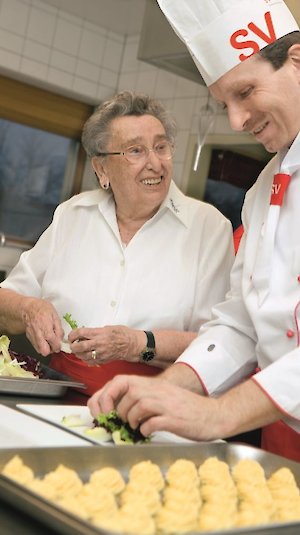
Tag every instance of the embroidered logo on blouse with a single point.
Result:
(176, 210)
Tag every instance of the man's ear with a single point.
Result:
(294, 57)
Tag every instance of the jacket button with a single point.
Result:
(290, 334)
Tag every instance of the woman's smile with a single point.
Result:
(152, 181)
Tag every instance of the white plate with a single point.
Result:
(19, 430)
(55, 413)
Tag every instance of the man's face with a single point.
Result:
(262, 101)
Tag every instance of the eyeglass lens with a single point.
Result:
(162, 150)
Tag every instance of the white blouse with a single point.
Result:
(168, 277)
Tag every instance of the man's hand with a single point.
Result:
(156, 405)
(107, 398)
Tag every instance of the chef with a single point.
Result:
(248, 52)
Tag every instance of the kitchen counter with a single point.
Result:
(12, 521)
(72, 397)
(15, 522)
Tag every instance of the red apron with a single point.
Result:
(94, 377)
(279, 438)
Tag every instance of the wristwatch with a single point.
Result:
(148, 352)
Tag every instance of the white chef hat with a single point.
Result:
(221, 33)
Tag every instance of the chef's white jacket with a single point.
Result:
(168, 277)
(247, 330)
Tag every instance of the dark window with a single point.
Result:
(34, 178)
(230, 175)
(41, 159)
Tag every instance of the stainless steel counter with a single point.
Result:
(71, 397)
(86, 460)
(15, 522)
(12, 521)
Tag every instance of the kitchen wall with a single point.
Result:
(72, 56)
(50, 48)
(183, 97)
(59, 50)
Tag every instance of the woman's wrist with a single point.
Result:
(24, 307)
(138, 343)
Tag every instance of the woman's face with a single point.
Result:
(138, 186)
(262, 101)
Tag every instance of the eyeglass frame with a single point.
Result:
(122, 153)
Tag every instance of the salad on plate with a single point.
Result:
(13, 364)
(106, 428)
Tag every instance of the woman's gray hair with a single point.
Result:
(96, 131)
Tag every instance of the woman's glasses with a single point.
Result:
(139, 153)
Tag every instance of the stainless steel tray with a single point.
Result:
(85, 460)
(54, 384)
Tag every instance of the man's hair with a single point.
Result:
(96, 131)
(277, 52)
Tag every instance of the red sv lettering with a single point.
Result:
(253, 45)
(276, 188)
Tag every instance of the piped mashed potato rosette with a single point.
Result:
(184, 498)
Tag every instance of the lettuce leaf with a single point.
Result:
(121, 431)
(12, 364)
(73, 323)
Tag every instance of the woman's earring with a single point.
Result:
(103, 185)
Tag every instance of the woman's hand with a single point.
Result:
(104, 344)
(42, 325)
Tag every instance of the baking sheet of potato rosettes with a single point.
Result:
(186, 498)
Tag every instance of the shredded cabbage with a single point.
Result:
(11, 367)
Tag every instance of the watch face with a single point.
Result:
(148, 355)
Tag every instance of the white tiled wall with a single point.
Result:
(50, 46)
(91, 63)
(64, 53)
(183, 97)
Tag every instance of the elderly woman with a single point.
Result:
(135, 262)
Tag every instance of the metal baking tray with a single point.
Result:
(54, 384)
(85, 460)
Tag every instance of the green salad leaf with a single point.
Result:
(121, 431)
(73, 323)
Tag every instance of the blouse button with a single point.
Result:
(290, 334)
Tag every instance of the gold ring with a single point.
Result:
(94, 354)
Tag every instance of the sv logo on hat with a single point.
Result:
(268, 38)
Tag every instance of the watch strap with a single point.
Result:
(148, 352)
(150, 340)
